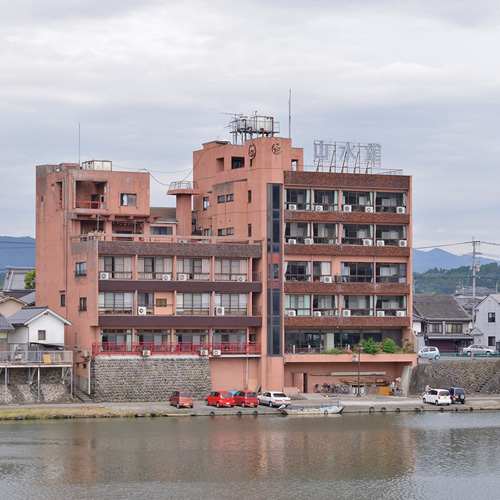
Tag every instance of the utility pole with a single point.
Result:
(474, 269)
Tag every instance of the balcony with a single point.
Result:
(22, 357)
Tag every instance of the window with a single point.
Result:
(161, 302)
(193, 303)
(249, 230)
(297, 271)
(491, 317)
(230, 270)
(297, 231)
(233, 303)
(389, 202)
(230, 231)
(391, 304)
(115, 303)
(117, 267)
(359, 305)
(229, 197)
(324, 200)
(63, 300)
(325, 304)
(221, 198)
(42, 335)
(111, 337)
(325, 234)
(300, 199)
(128, 200)
(206, 202)
(357, 272)
(492, 341)
(454, 327)
(145, 299)
(391, 273)
(391, 235)
(357, 200)
(154, 268)
(163, 230)
(355, 234)
(321, 269)
(196, 269)
(435, 328)
(221, 232)
(298, 304)
(152, 335)
(82, 305)
(237, 163)
(249, 199)
(81, 269)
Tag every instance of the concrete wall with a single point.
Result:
(148, 379)
(480, 376)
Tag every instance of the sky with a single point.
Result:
(144, 84)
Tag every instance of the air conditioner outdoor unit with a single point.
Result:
(166, 277)
(347, 208)
(367, 243)
(182, 277)
(403, 243)
(241, 278)
(326, 279)
(346, 312)
(219, 311)
(308, 241)
(203, 352)
(104, 276)
(317, 313)
(400, 210)
(216, 352)
(141, 311)
(318, 208)
(400, 314)
(292, 242)
(380, 314)
(292, 313)
(145, 354)
(380, 243)
(292, 206)
(369, 210)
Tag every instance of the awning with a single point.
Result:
(449, 337)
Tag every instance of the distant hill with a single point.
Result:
(16, 252)
(437, 258)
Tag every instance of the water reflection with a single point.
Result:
(349, 456)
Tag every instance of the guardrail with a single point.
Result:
(36, 357)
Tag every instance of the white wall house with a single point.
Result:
(488, 321)
(36, 326)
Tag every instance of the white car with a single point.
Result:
(478, 350)
(429, 352)
(274, 399)
(437, 396)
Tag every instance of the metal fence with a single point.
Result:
(21, 356)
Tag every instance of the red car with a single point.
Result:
(220, 398)
(246, 398)
(182, 399)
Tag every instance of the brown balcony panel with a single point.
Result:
(157, 321)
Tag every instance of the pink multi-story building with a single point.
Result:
(264, 267)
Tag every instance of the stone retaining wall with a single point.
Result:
(148, 379)
(480, 376)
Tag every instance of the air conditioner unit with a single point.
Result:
(216, 352)
(166, 277)
(219, 311)
(380, 314)
(367, 243)
(346, 312)
(317, 313)
(380, 243)
(318, 208)
(182, 277)
(203, 352)
(403, 243)
(347, 208)
(104, 276)
(326, 279)
(400, 210)
(291, 313)
(401, 314)
(145, 354)
(292, 206)
(308, 241)
(241, 278)
(369, 210)
(141, 311)
(292, 242)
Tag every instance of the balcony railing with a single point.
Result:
(36, 357)
(176, 348)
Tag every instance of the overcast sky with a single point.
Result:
(150, 81)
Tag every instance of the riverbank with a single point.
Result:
(351, 404)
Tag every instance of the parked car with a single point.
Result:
(182, 399)
(272, 398)
(457, 395)
(429, 352)
(478, 350)
(437, 396)
(246, 398)
(220, 398)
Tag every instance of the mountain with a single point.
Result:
(17, 252)
(437, 258)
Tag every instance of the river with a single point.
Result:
(365, 456)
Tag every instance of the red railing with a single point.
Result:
(169, 348)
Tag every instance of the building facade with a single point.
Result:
(268, 267)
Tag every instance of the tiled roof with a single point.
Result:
(439, 307)
(26, 314)
(164, 214)
(14, 278)
(5, 325)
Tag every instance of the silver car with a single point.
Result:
(274, 399)
(429, 352)
(478, 350)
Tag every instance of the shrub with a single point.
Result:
(389, 346)
(370, 346)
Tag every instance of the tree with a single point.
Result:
(30, 280)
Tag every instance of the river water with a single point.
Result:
(367, 456)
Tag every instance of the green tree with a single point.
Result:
(30, 280)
